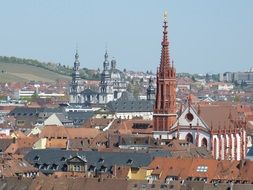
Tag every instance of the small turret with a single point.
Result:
(150, 90)
(106, 62)
(113, 64)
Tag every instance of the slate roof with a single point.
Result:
(127, 96)
(131, 106)
(63, 117)
(25, 111)
(94, 158)
(80, 117)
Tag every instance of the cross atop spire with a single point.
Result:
(165, 15)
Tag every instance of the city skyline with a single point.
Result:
(209, 36)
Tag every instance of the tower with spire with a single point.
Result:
(105, 86)
(150, 90)
(112, 84)
(165, 106)
(76, 87)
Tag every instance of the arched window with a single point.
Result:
(189, 138)
(204, 142)
(115, 94)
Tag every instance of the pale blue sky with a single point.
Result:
(205, 35)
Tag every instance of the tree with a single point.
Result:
(34, 97)
(136, 91)
(237, 98)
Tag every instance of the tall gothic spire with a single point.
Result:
(165, 105)
(165, 58)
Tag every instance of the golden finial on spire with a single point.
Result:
(165, 15)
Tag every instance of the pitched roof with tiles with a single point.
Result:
(13, 167)
(96, 123)
(89, 133)
(19, 143)
(56, 143)
(132, 126)
(219, 116)
(53, 131)
(78, 144)
(184, 168)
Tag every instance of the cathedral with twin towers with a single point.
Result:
(112, 84)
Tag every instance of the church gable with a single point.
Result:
(189, 117)
(105, 110)
(77, 159)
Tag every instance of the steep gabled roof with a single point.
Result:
(54, 131)
(219, 116)
(194, 119)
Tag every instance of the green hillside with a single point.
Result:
(10, 72)
(14, 68)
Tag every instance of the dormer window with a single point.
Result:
(202, 169)
(103, 169)
(54, 167)
(101, 160)
(129, 161)
(63, 159)
(92, 168)
(36, 158)
(44, 166)
(36, 165)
